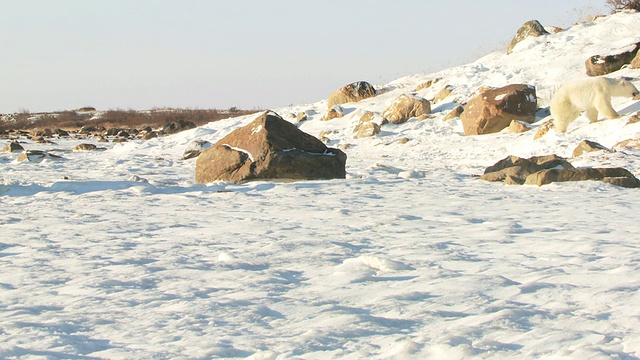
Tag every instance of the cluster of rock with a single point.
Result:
(542, 170)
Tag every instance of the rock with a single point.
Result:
(586, 146)
(629, 143)
(119, 140)
(543, 129)
(195, 148)
(112, 132)
(633, 119)
(605, 64)
(368, 129)
(176, 127)
(404, 140)
(123, 134)
(553, 29)
(87, 130)
(455, 113)
(36, 156)
(518, 127)
(84, 147)
(404, 107)
(517, 169)
(617, 176)
(334, 113)
(103, 140)
(531, 28)
(493, 110)
(427, 84)
(369, 125)
(149, 135)
(269, 148)
(302, 116)
(353, 92)
(13, 146)
(443, 94)
(43, 133)
(61, 133)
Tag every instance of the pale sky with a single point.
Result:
(140, 54)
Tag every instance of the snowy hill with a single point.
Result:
(118, 254)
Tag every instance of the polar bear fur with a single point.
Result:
(591, 95)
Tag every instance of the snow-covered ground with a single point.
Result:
(410, 257)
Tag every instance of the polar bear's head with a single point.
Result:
(625, 88)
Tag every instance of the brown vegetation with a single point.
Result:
(624, 4)
(76, 119)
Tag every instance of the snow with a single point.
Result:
(118, 254)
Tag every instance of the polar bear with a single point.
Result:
(592, 95)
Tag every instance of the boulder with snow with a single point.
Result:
(543, 129)
(269, 148)
(598, 65)
(195, 148)
(531, 28)
(176, 127)
(404, 107)
(335, 112)
(353, 92)
(493, 110)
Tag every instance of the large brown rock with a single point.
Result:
(269, 148)
(605, 64)
(353, 92)
(493, 110)
(404, 107)
(617, 176)
(531, 28)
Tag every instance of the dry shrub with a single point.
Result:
(623, 5)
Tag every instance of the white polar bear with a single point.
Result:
(592, 95)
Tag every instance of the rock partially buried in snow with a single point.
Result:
(543, 129)
(518, 127)
(493, 110)
(36, 156)
(404, 107)
(587, 146)
(269, 148)
(335, 112)
(616, 176)
(84, 147)
(515, 170)
(629, 143)
(13, 146)
(455, 113)
(598, 65)
(531, 28)
(353, 92)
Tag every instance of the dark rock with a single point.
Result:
(617, 176)
(605, 64)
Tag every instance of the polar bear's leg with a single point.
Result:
(603, 105)
(592, 115)
(563, 114)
